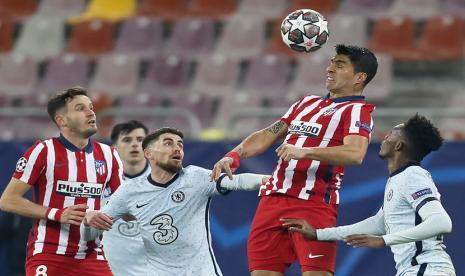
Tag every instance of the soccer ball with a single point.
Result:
(304, 30)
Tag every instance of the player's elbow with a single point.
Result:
(447, 225)
(5, 203)
(356, 159)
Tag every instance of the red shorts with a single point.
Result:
(272, 247)
(57, 265)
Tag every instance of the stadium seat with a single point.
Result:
(380, 88)
(243, 38)
(213, 9)
(64, 72)
(267, 76)
(216, 76)
(326, 7)
(394, 36)
(109, 10)
(18, 76)
(17, 10)
(165, 9)
(140, 37)
(116, 75)
(266, 9)
(6, 35)
(60, 8)
(452, 127)
(192, 38)
(91, 38)
(443, 38)
(346, 29)
(453, 7)
(167, 75)
(41, 37)
(310, 77)
(417, 9)
(367, 8)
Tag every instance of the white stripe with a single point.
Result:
(49, 175)
(354, 118)
(92, 178)
(31, 161)
(288, 174)
(69, 200)
(332, 126)
(371, 127)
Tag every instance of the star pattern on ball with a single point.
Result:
(324, 25)
(297, 23)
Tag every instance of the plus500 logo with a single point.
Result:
(79, 189)
(305, 128)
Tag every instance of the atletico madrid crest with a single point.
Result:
(100, 167)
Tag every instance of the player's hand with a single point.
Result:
(288, 152)
(224, 164)
(301, 226)
(266, 179)
(98, 220)
(365, 240)
(74, 214)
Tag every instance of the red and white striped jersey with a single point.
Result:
(316, 121)
(62, 175)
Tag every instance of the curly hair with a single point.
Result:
(422, 136)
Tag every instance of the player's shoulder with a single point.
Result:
(192, 169)
(416, 175)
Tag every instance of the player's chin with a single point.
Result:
(90, 131)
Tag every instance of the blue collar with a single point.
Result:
(345, 99)
(70, 146)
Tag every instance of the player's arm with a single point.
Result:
(13, 201)
(352, 152)
(242, 182)
(435, 221)
(253, 145)
(373, 225)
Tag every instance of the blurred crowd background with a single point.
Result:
(218, 69)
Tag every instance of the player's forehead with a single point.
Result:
(397, 130)
(342, 59)
(79, 100)
(135, 133)
(170, 137)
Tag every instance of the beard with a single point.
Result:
(86, 133)
(169, 167)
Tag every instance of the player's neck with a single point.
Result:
(338, 94)
(133, 169)
(78, 141)
(161, 176)
(397, 162)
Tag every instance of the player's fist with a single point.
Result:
(73, 214)
(288, 152)
(301, 226)
(224, 164)
(98, 220)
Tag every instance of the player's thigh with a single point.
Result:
(317, 273)
(91, 267)
(316, 256)
(265, 273)
(49, 266)
(269, 247)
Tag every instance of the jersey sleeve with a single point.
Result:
(32, 164)
(358, 120)
(419, 188)
(116, 177)
(290, 114)
(117, 205)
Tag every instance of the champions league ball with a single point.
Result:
(304, 30)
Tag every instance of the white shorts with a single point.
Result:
(419, 270)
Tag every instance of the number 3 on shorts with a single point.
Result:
(41, 270)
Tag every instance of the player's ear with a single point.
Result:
(60, 120)
(360, 77)
(148, 154)
(399, 146)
